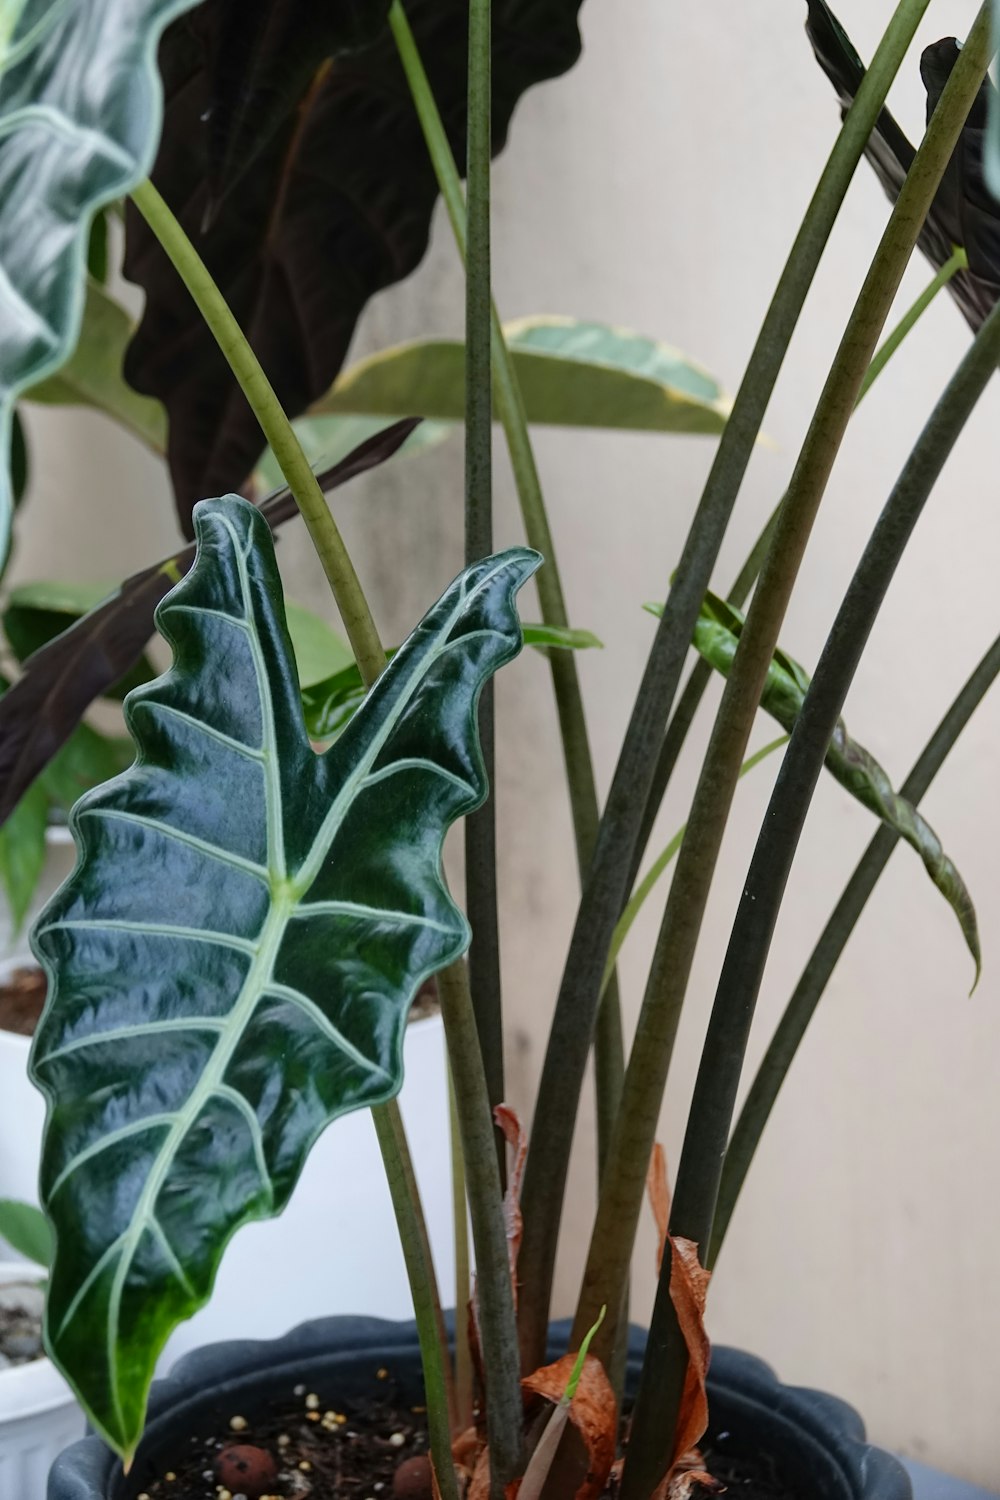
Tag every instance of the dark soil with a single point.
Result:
(21, 1001)
(310, 1448)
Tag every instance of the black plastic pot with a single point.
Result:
(816, 1442)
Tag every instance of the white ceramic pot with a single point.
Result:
(38, 1416)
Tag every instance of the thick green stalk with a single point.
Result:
(714, 1098)
(606, 887)
(463, 1273)
(701, 674)
(357, 619)
(621, 1199)
(438, 1386)
(275, 426)
(694, 1195)
(824, 958)
(480, 827)
(495, 1294)
(509, 406)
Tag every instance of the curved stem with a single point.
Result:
(824, 958)
(607, 882)
(715, 1090)
(275, 426)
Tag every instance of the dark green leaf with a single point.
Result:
(22, 852)
(79, 118)
(18, 460)
(63, 678)
(97, 249)
(716, 638)
(571, 373)
(26, 1230)
(336, 205)
(232, 961)
(963, 213)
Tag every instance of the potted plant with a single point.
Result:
(232, 961)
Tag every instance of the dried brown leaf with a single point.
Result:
(593, 1412)
(658, 1191)
(517, 1138)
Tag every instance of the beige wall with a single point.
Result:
(659, 187)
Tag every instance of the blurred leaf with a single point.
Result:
(326, 440)
(963, 213)
(571, 373)
(993, 123)
(92, 376)
(97, 249)
(306, 188)
(79, 119)
(87, 759)
(22, 853)
(26, 1230)
(716, 638)
(18, 460)
(562, 637)
(64, 677)
(232, 961)
(37, 613)
(318, 649)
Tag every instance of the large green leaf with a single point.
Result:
(572, 374)
(92, 376)
(232, 961)
(79, 120)
(306, 188)
(717, 636)
(326, 440)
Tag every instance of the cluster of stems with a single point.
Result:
(610, 845)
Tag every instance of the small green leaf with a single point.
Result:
(92, 376)
(319, 650)
(572, 374)
(581, 1359)
(327, 440)
(564, 638)
(79, 121)
(22, 852)
(716, 637)
(232, 961)
(26, 1230)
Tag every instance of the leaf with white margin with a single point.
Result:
(80, 113)
(233, 959)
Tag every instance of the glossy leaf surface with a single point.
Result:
(316, 198)
(963, 213)
(571, 373)
(92, 376)
(232, 961)
(716, 638)
(329, 705)
(79, 122)
(62, 678)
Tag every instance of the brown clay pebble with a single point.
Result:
(246, 1470)
(413, 1479)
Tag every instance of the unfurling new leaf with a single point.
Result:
(233, 959)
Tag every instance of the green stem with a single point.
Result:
(606, 888)
(438, 1386)
(699, 853)
(701, 674)
(463, 1283)
(495, 1294)
(370, 656)
(480, 827)
(824, 958)
(274, 425)
(509, 405)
